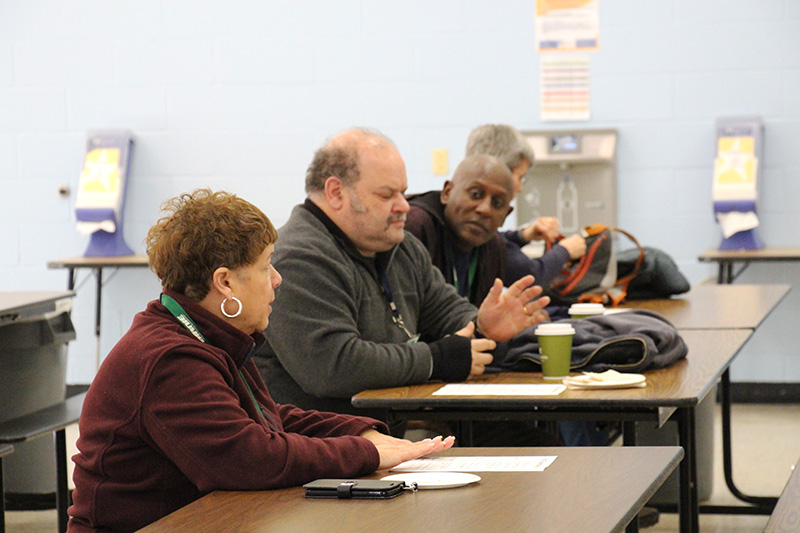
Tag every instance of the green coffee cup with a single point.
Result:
(555, 349)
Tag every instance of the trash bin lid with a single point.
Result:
(19, 305)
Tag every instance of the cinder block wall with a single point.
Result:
(238, 94)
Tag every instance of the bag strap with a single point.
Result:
(568, 284)
(590, 231)
(617, 294)
(639, 260)
(572, 278)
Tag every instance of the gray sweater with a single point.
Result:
(331, 333)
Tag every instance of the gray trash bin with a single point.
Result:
(33, 363)
(649, 435)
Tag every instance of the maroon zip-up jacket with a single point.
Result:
(169, 418)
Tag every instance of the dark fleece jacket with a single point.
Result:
(426, 222)
(631, 341)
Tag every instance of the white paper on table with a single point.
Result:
(510, 389)
(524, 463)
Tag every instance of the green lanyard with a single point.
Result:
(473, 268)
(187, 322)
(182, 316)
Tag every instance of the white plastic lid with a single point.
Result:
(586, 309)
(554, 328)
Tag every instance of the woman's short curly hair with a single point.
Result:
(203, 231)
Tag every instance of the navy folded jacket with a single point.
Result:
(630, 341)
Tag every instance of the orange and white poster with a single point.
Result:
(567, 25)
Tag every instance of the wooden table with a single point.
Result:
(673, 391)
(717, 306)
(727, 259)
(723, 307)
(97, 264)
(786, 517)
(585, 489)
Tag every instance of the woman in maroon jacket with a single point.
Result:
(178, 408)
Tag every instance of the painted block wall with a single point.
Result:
(238, 94)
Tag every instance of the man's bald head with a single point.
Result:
(342, 154)
(485, 166)
(476, 201)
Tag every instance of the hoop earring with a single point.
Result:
(234, 315)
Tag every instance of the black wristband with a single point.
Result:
(452, 358)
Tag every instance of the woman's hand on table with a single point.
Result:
(394, 451)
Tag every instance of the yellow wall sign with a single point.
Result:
(100, 173)
(736, 161)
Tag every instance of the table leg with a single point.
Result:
(465, 435)
(687, 504)
(629, 433)
(629, 439)
(726, 274)
(2, 501)
(62, 491)
(765, 502)
(99, 275)
(70, 278)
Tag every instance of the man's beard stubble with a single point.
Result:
(358, 207)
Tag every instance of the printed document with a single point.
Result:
(510, 389)
(523, 463)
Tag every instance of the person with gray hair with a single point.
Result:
(361, 305)
(505, 143)
(510, 146)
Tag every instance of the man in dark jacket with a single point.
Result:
(458, 225)
(510, 146)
